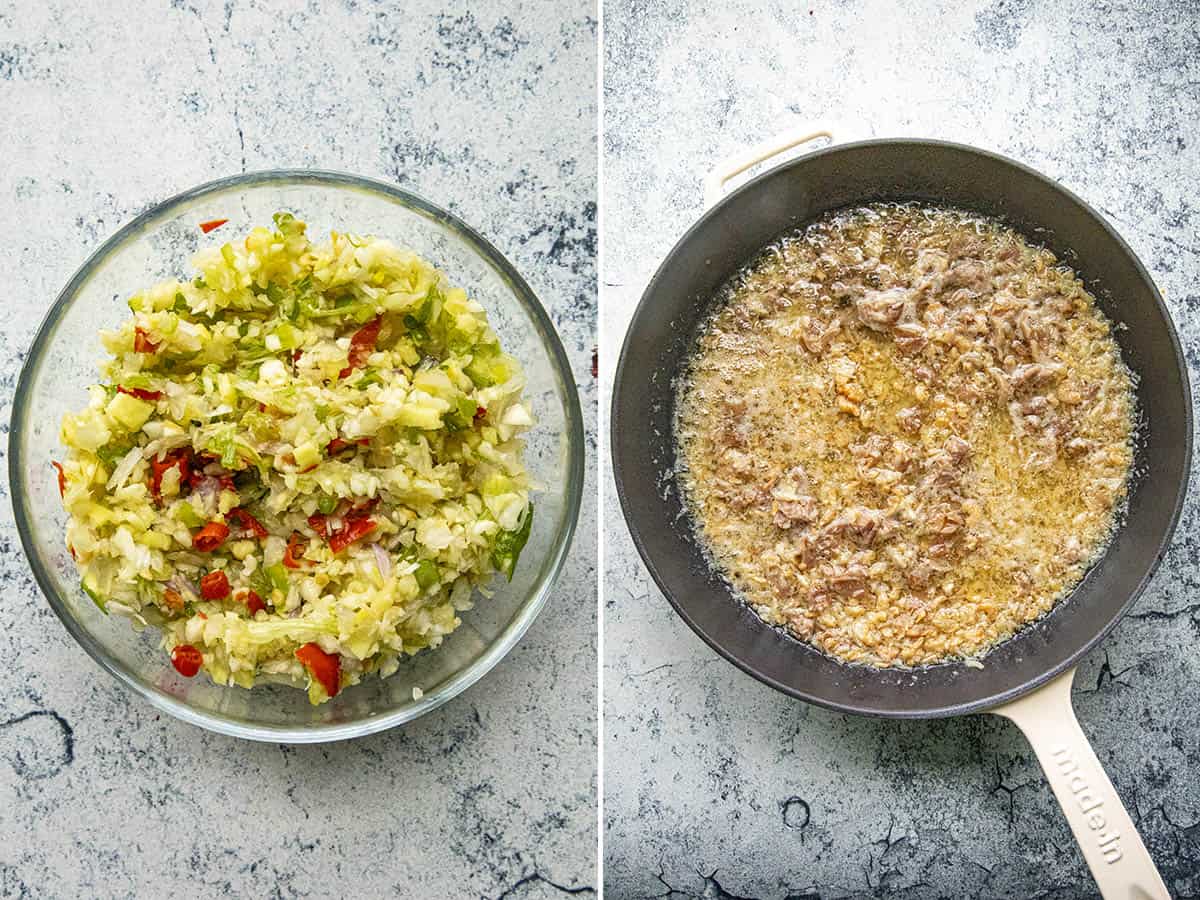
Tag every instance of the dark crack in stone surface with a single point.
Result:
(110, 108)
(708, 768)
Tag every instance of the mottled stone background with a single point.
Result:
(108, 108)
(717, 786)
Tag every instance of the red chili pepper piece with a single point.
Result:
(141, 394)
(210, 537)
(253, 602)
(319, 524)
(173, 599)
(214, 586)
(142, 342)
(362, 345)
(480, 412)
(293, 557)
(62, 478)
(246, 522)
(353, 530)
(212, 225)
(337, 445)
(186, 659)
(158, 468)
(324, 667)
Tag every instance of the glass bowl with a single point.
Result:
(159, 244)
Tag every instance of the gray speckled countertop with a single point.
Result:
(490, 113)
(717, 786)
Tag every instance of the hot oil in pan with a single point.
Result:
(905, 433)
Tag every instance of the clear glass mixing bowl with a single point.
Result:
(159, 245)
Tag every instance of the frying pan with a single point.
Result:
(1026, 679)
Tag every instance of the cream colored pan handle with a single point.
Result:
(714, 184)
(1114, 852)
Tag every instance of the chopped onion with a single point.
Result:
(182, 586)
(382, 560)
(208, 488)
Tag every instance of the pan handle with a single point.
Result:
(731, 167)
(1114, 851)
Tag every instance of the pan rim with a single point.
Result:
(941, 711)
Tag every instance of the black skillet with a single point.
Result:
(1027, 678)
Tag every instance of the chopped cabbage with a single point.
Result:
(307, 446)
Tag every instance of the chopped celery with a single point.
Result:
(427, 574)
(368, 378)
(416, 329)
(189, 517)
(462, 415)
(278, 575)
(96, 598)
(288, 335)
(225, 445)
(488, 366)
(509, 544)
(111, 454)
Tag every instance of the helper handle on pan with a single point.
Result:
(1114, 852)
(714, 183)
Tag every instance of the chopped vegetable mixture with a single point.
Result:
(300, 464)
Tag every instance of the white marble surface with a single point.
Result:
(717, 786)
(108, 108)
